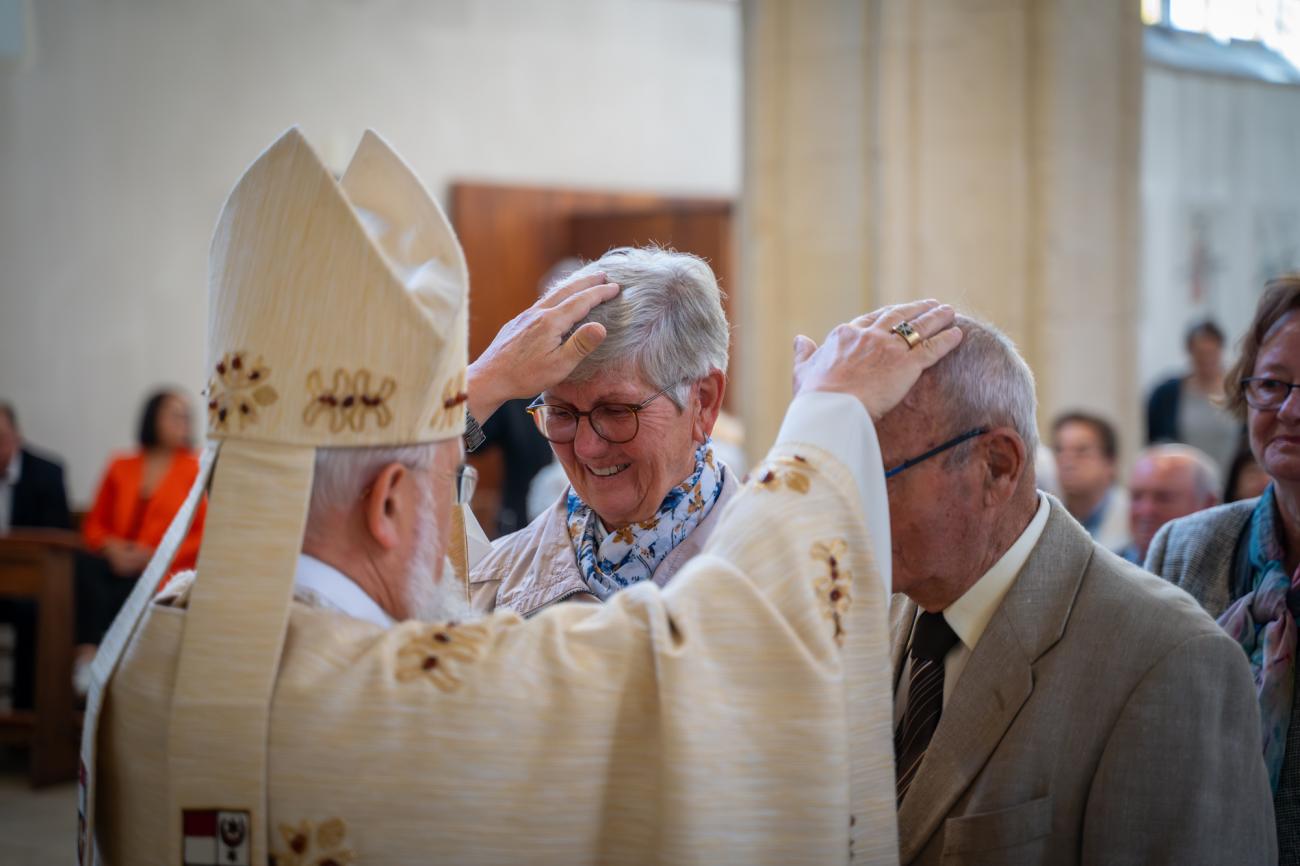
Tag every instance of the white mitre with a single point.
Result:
(338, 309)
(338, 317)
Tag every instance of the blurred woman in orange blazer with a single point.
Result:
(137, 499)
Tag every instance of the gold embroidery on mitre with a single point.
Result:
(833, 587)
(317, 846)
(237, 390)
(447, 412)
(437, 653)
(348, 400)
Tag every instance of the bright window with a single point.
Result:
(1275, 23)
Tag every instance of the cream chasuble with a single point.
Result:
(742, 715)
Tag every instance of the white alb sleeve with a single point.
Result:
(839, 423)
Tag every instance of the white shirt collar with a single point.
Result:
(326, 586)
(969, 615)
(14, 471)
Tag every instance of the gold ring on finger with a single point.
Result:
(908, 333)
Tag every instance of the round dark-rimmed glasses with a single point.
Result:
(936, 450)
(616, 423)
(1266, 394)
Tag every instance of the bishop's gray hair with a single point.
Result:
(985, 383)
(342, 474)
(666, 324)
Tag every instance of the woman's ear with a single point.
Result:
(382, 506)
(710, 393)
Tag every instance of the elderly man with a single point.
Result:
(1054, 704)
(1167, 482)
(740, 715)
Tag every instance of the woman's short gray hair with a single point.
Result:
(984, 382)
(666, 324)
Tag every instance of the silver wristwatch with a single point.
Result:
(473, 435)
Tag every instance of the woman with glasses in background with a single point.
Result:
(631, 427)
(1242, 560)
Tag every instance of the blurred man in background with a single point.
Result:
(32, 495)
(1167, 482)
(1086, 450)
(31, 486)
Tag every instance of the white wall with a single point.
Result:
(1220, 202)
(126, 122)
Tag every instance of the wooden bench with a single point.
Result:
(37, 564)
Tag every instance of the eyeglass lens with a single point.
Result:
(616, 424)
(1264, 393)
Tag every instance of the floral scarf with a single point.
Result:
(631, 554)
(1265, 626)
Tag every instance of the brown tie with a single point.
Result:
(931, 640)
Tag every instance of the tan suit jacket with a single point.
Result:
(1102, 718)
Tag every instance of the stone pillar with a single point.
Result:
(985, 152)
(806, 250)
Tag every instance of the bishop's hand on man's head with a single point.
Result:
(879, 356)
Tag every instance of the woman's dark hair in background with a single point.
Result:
(148, 433)
(1205, 328)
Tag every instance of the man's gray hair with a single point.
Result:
(985, 383)
(666, 324)
(1205, 472)
(342, 475)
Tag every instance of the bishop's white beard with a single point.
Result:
(432, 592)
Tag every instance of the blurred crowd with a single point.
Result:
(139, 493)
(1197, 455)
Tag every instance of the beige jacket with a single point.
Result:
(536, 566)
(1102, 718)
(741, 715)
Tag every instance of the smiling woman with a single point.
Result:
(1240, 560)
(631, 427)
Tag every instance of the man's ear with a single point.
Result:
(711, 391)
(1004, 461)
(381, 505)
